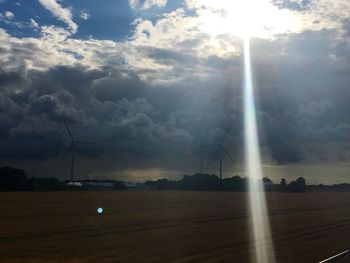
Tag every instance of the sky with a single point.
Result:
(150, 81)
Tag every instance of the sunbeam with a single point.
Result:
(261, 233)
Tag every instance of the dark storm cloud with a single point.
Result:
(302, 96)
(77, 81)
(303, 92)
(9, 78)
(128, 118)
(124, 124)
(55, 110)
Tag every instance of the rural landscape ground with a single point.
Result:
(166, 226)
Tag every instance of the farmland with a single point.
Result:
(166, 226)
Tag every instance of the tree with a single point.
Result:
(283, 185)
(297, 186)
(267, 181)
(12, 179)
(200, 182)
(268, 184)
(235, 183)
(283, 182)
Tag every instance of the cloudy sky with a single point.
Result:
(150, 81)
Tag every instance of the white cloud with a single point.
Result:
(9, 15)
(133, 3)
(9, 18)
(326, 14)
(33, 23)
(55, 47)
(268, 20)
(176, 41)
(63, 14)
(146, 4)
(84, 15)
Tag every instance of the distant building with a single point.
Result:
(74, 184)
(105, 185)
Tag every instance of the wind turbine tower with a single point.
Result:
(222, 150)
(71, 148)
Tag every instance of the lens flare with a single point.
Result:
(261, 233)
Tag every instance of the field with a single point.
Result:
(166, 226)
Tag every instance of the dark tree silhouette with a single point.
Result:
(235, 183)
(283, 185)
(297, 186)
(12, 179)
(268, 184)
(199, 181)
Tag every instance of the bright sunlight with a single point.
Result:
(246, 18)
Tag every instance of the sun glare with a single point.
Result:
(246, 18)
(259, 220)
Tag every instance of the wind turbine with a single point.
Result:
(71, 148)
(222, 150)
(201, 147)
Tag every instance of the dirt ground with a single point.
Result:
(167, 226)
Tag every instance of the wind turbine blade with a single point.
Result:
(72, 166)
(68, 131)
(225, 135)
(228, 155)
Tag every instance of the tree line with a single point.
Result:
(17, 180)
(207, 182)
(12, 179)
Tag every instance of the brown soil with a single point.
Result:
(167, 226)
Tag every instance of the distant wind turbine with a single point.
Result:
(71, 148)
(222, 150)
